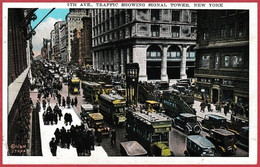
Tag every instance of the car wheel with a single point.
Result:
(186, 130)
(196, 129)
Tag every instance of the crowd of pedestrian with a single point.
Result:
(225, 107)
(75, 136)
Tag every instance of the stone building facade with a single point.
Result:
(57, 39)
(76, 47)
(52, 35)
(161, 41)
(74, 21)
(19, 53)
(64, 42)
(222, 55)
(86, 32)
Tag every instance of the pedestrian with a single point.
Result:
(63, 102)
(68, 138)
(53, 146)
(59, 114)
(57, 135)
(226, 109)
(202, 106)
(217, 105)
(209, 107)
(76, 101)
(62, 137)
(44, 104)
(68, 101)
(113, 137)
(99, 137)
(72, 102)
(59, 100)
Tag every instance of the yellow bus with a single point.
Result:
(112, 106)
(151, 130)
(74, 85)
(91, 91)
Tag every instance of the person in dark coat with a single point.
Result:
(63, 102)
(57, 135)
(226, 109)
(62, 137)
(68, 101)
(68, 138)
(59, 114)
(66, 118)
(76, 101)
(44, 104)
(99, 136)
(53, 146)
(113, 137)
(72, 102)
(69, 118)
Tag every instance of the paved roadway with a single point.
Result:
(177, 139)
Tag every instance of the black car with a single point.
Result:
(243, 138)
(224, 141)
(187, 122)
(198, 145)
(212, 121)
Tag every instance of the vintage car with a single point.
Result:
(85, 110)
(224, 141)
(187, 122)
(243, 138)
(212, 121)
(132, 148)
(198, 145)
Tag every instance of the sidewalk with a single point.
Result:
(196, 106)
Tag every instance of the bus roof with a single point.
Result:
(151, 102)
(96, 116)
(90, 83)
(150, 118)
(133, 148)
(75, 79)
(223, 132)
(111, 97)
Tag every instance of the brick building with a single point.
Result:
(222, 55)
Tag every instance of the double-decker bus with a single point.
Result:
(112, 106)
(151, 130)
(91, 91)
(74, 85)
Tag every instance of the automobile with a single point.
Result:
(96, 121)
(85, 110)
(187, 122)
(212, 121)
(243, 138)
(132, 148)
(198, 145)
(224, 141)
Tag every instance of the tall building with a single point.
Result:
(64, 42)
(76, 47)
(86, 56)
(19, 108)
(222, 55)
(46, 49)
(74, 22)
(160, 40)
(57, 40)
(52, 35)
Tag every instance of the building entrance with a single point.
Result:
(154, 70)
(215, 94)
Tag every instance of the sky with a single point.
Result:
(44, 28)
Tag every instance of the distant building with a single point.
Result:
(52, 35)
(46, 49)
(57, 39)
(222, 55)
(76, 47)
(64, 42)
(86, 56)
(160, 40)
(74, 22)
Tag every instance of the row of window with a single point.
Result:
(227, 61)
(213, 80)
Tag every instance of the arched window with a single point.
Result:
(191, 52)
(154, 51)
(174, 52)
